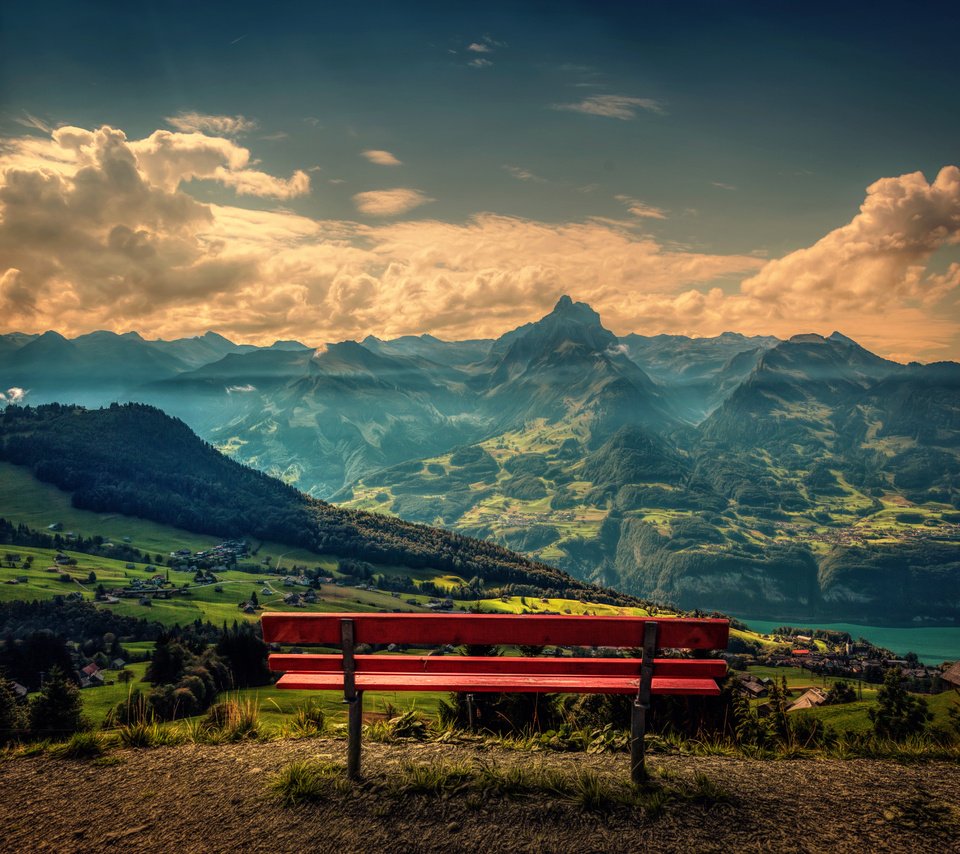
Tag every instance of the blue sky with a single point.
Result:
(741, 130)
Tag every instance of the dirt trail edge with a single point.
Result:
(210, 798)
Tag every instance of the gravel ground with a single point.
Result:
(204, 798)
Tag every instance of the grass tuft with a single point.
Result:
(433, 778)
(305, 782)
(81, 745)
(235, 719)
(147, 733)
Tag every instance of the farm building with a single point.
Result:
(809, 699)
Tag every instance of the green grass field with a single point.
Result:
(25, 499)
(854, 716)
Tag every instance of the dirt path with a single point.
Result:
(195, 798)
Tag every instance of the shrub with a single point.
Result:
(840, 692)
(12, 718)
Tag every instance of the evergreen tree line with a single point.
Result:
(22, 535)
(134, 459)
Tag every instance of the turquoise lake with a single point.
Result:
(932, 645)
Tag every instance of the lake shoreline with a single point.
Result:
(932, 644)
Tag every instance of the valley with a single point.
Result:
(802, 480)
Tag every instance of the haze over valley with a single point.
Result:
(800, 479)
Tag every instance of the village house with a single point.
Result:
(952, 675)
(752, 687)
(809, 699)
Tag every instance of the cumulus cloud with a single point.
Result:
(380, 157)
(875, 261)
(620, 107)
(13, 395)
(169, 159)
(390, 202)
(641, 209)
(98, 231)
(479, 47)
(193, 122)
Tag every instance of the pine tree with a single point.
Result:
(56, 711)
(898, 714)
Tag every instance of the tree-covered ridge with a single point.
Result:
(134, 459)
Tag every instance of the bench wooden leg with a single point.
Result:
(638, 726)
(354, 723)
(353, 698)
(638, 718)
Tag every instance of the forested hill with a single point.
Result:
(136, 460)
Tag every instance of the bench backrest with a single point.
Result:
(483, 629)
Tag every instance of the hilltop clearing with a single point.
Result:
(217, 798)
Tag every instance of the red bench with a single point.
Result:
(354, 674)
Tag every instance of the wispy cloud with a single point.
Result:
(250, 182)
(390, 202)
(621, 107)
(240, 389)
(523, 174)
(641, 209)
(28, 120)
(485, 46)
(275, 137)
(193, 122)
(380, 157)
(721, 186)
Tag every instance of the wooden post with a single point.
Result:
(353, 699)
(638, 719)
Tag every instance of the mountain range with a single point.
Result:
(801, 479)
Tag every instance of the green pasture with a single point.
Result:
(25, 499)
(98, 701)
(855, 718)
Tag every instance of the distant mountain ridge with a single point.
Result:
(792, 479)
(322, 418)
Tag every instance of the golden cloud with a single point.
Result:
(390, 202)
(97, 231)
(380, 157)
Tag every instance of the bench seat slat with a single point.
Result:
(677, 667)
(487, 682)
(531, 629)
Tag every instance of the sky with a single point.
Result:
(328, 171)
